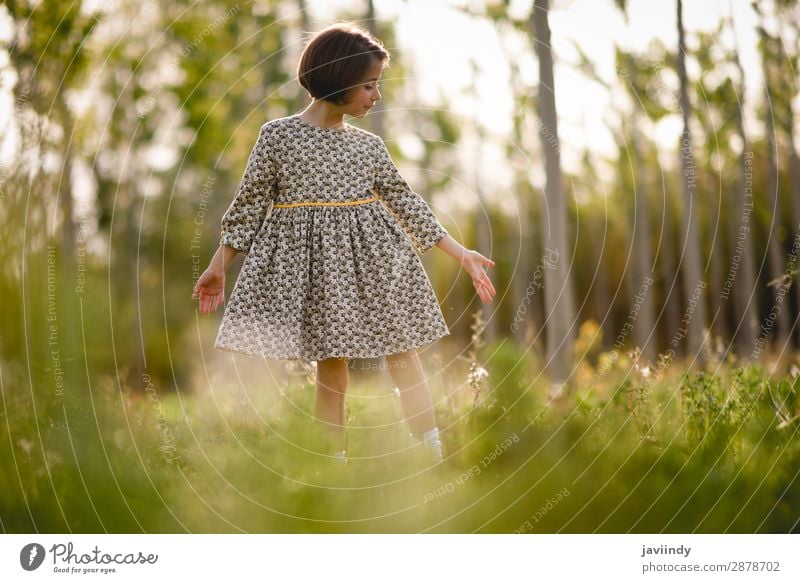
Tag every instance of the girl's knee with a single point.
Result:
(333, 372)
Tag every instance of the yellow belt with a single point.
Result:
(347, 203)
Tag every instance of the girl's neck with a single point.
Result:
(323, 115)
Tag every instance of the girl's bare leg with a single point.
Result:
(332, 379)
(406, 371)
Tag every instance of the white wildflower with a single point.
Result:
(26, 445)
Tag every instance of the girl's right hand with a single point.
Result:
(210, 290)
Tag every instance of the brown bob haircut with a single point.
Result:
(335, 60)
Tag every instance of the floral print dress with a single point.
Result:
(329, 228)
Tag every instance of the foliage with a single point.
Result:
(250, 458)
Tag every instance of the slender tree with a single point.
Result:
(522, 250)
(638, 76)
(377, 118)
(745, 300)
(48, 53)
(789, 25)
(771, 66)
(693, 281)
(643, 264)
(559, 303)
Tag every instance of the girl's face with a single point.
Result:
(364, 95)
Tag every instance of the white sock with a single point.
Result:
(431, 439)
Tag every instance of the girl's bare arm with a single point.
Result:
(223, 258)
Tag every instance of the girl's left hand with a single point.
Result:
(473, 263)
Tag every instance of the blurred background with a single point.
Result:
(630, 166)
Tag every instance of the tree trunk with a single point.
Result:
(774, 254)
(377, 120)
(693, 282)
(643, 289)
(301, 100)
(65, 186)
(794, 169)
(602, 301)
(717, 322)
(745, 296)
(781, 325)
(558, 291)
(669, 271)
(520, 257)
(521, 243)
(795, 230)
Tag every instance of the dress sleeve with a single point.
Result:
(410, 209)
(247, 212)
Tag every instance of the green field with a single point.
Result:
(627, 450)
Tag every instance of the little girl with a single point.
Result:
(329, 228)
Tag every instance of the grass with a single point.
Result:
(630, 449)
